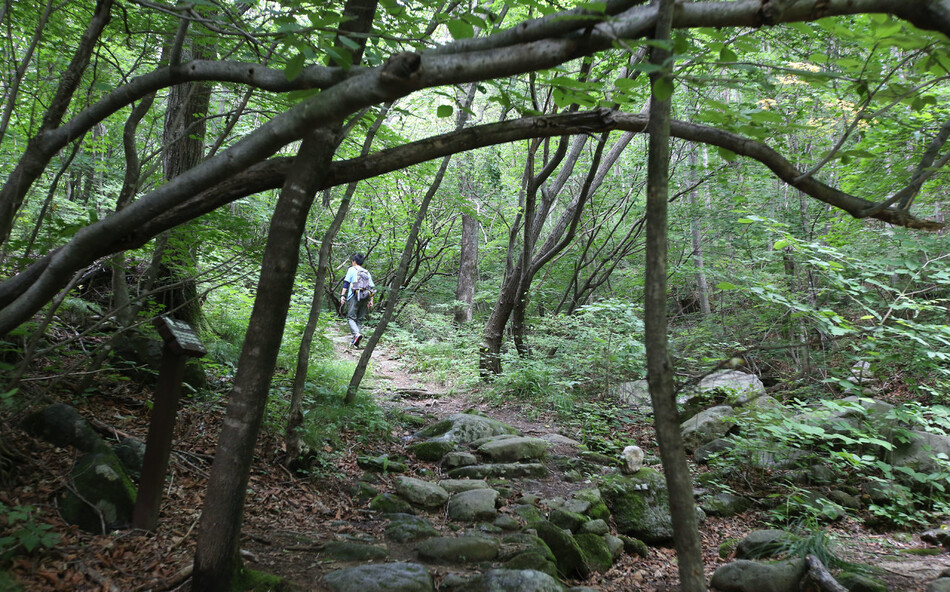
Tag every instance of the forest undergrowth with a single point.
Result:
(290, 516)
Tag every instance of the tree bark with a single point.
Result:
(468, 268)
(659, 364)
(183, 139)
(216, 556)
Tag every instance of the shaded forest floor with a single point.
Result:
(288, 519)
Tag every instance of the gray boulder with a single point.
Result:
(63, 426)
(421, 493)
(764, 543)
(459, 485)
(453, 460)
(707, 425)
(508, 450)
(500, 470)
(473, 506)
(512, 580)
(406, 527)
(921, 453)
(939, 585)
(725, 504)
(464, 428)
(103, 496)
(738, 387)
(595, 527)
(704, 453)
(351, 551)
(382, 577)
(455, 550)
(132, 454)
(635, 394)
(756, 576)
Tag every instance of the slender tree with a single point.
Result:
(659, 364)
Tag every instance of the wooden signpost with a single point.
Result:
(181, 343)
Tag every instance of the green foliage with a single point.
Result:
(25, 535)
(329, 424)
(432, 344)
(840, 436)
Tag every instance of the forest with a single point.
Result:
(684, 254)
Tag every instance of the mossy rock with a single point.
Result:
(595, 550)
(350, 551)
(104, 494)
(639, 504)
(522, 542)
(388, 503)
(532, 560)
(570, 559)
(598, 510)
(858, 582)
(634, 546)
(380, 464)
(567, 520)
(249, 580)
(727, 547)
(431, 450)
(406, 527)
(760, 544)
(455, 550)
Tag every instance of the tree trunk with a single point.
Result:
(659, 364)
(184, 141)
(468, 268)
(216, 556)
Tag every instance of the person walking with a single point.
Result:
(357, 296)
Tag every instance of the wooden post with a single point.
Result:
(181, 343)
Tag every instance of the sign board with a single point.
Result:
(180, 336)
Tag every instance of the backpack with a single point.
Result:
(361, 287)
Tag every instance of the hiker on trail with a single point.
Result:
(357, 296)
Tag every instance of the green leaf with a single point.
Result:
(726, 286)
(294, 67)
(727, 155)
(727, 55)
(663, 88)
(461, 29)
(444, 111)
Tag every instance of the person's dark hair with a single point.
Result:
(359, 258)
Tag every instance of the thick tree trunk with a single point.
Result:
(468, 267)
(216, 556)
(184, 141)
(659, 364)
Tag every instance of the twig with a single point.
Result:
(185, 536)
